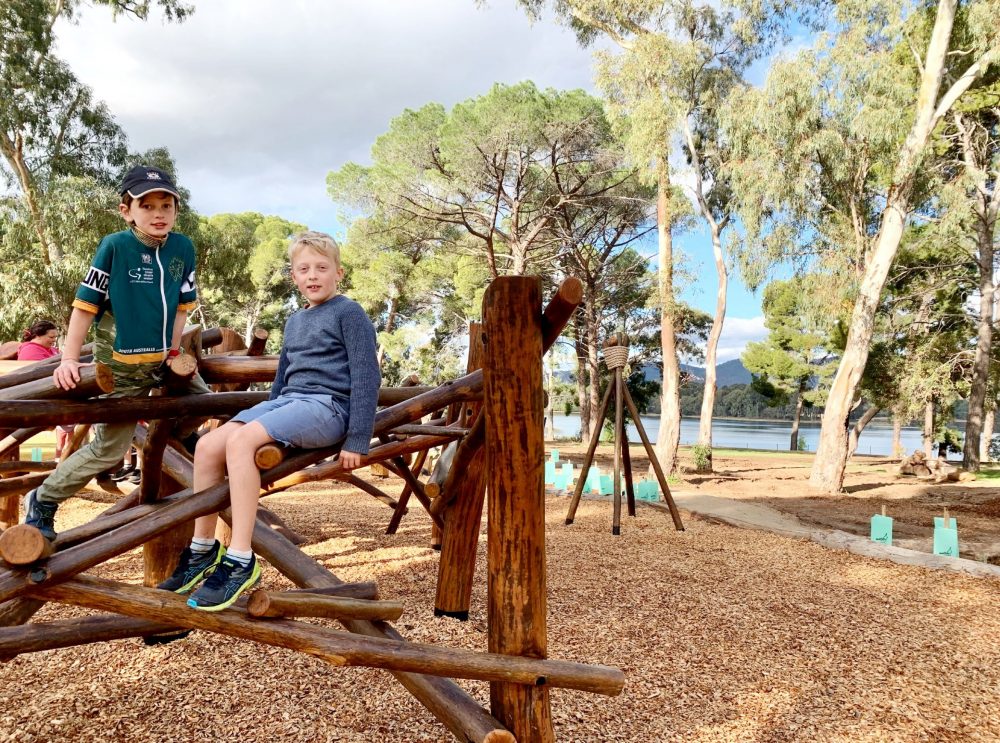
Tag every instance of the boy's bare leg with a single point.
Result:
(244, 480)
(209, 470)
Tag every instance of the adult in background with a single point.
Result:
(37, 344)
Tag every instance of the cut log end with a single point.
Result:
(571, 290)
(268, 456)
(258, 604)
(23, 545)
(183, 366)
(105, 378)
(500, 736)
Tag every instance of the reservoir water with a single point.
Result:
(731, 433)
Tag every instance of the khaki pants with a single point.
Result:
(111, 441)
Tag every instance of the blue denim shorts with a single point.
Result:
(296, 419)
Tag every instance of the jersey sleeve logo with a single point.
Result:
(96, 280)
(188, 285)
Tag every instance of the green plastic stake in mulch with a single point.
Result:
(554, 454)
(945, 536)
(550, 473)
(593, 482)
(36, 454)
(882, 528)
(606, 487)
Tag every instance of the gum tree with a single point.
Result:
(50, 124)
(830, 165)
(675, 63)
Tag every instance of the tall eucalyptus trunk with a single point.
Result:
(793, 443)
(928, 432)
(831, 454)
(582, 385)
(669, 436)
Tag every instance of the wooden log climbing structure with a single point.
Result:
(492, 415)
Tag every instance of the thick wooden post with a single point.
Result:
(159, 555)
(462, 517)
(515, 453)
(9, 506)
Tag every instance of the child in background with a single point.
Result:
(39, 343)
(325, 391)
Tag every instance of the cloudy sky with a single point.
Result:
(257, 100)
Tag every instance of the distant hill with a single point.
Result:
(726, 374)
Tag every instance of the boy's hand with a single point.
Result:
(67, 374)
(350, 460)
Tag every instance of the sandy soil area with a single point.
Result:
(724, 634)
(781, 480)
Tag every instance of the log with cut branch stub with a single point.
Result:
(334, 646)
(271, 604)
(95, 379)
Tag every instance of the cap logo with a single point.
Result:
(153, 175)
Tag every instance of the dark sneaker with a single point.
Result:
(40, 515)
(135, 476)
(192, 567)
(121, 474)
(190, 442)
(225, 585)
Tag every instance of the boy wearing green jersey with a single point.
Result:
(137, 292)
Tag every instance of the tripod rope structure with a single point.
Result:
(500, 418)
(615, 353)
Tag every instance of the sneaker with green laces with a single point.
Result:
(192, 567)
(229, 580)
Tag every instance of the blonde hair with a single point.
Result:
(321, 242)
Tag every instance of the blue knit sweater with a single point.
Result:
(329, 349)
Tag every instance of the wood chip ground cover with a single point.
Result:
(723, 634)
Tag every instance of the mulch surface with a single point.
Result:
(723, 634)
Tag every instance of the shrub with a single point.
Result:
(702, 454)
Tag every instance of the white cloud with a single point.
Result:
(258, 101)
(736, 333)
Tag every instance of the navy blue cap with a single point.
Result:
(143, 179)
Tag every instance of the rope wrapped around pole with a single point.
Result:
(615, 357)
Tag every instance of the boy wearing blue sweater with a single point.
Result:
(325, 391)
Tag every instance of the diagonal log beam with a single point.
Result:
(445, 699)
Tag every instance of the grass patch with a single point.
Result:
(991, 473)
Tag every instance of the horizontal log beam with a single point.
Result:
(362, 590)
(272, 604)
(42, 369)
(334, 646)
(412, 429)
(121, 410)
(23, 465)
(21, 484)
(66, 633)
(24, 413)
(95, 379)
